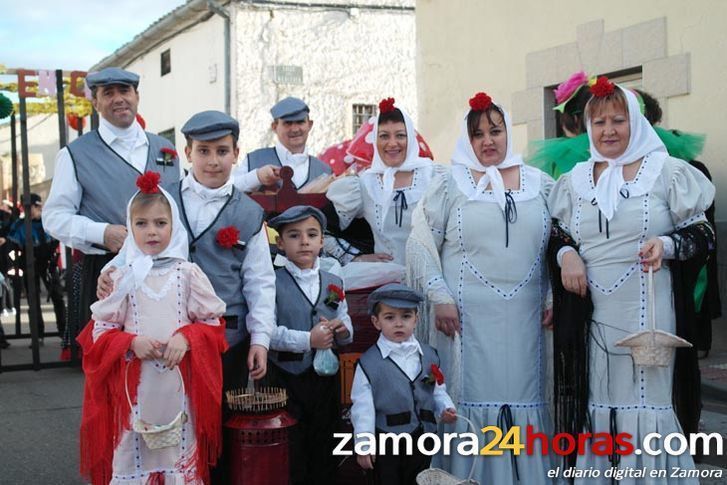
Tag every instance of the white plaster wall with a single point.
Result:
(465, 46)
(168, 101)
(348, 57)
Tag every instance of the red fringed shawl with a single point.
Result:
(106, 413)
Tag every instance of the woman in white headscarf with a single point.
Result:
(387, 193)
(477, 251)
(621, 208)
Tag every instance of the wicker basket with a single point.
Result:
(157, 436)
(437, 476)
(652, 348)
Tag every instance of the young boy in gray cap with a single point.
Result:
(312, 316)
(398, 387)
(291, 124)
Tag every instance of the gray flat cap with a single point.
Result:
(290, 109)
(112, 75)
(395, 295)
(211, 125)
(295, 214)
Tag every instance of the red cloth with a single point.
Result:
(106, 412)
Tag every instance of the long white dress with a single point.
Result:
(666, 194)
(352, 198)
(496, 274)
(170, 298)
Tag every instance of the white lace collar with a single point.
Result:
(582, 177)
(530, 180)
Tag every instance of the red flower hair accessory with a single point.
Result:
(386, 105)
(602, 87)
(229, 237)
(480, 102)
(149, 182)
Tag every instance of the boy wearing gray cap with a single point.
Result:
(291, 124)
(312, 316)
(398, 387)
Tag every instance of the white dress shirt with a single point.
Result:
(298, 341)
(247, 181)
(202, 204)
(407, 356)
(60, 212)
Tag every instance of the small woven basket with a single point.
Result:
(652, 348)
(437, 476)
(157, 436)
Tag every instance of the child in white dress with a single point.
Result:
(152, 357)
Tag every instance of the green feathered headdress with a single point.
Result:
(6, 106)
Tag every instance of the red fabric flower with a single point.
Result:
(480, 102)
(437, 374)
(169, 151)
(149, 182)
(386, 105)
(602, 88)
(228, 237)
(338, 291)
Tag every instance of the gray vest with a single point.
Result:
(296, 312)
(401, 404)
(268, 156)
(223, 266)
(107, 180)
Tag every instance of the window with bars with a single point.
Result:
(361, 114)
(166, 62)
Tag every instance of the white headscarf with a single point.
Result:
(138, 263)
(643, 140)
(384, 196)
(464, 155)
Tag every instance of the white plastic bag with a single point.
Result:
(325, 363)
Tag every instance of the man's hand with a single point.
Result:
(268, 175)
(114, 236)
(176, 348)
(105, 284)
(257, 361)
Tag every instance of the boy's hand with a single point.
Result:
(321, 337)
(337, 327)
(449, 415)
(105, 285)
(366, 461)
(176, 348)
(268, 175)
(257, 361)
(146, 348)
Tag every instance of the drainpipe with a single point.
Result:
(219, 10)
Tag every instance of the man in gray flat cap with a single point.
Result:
(291, 124)
(95, 176)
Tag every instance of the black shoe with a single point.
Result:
(4, 344)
